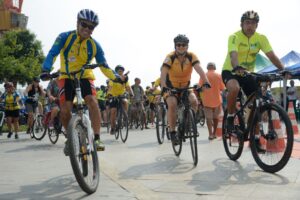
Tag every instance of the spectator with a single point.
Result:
(212, 99)
(12, 107)
(292, 94)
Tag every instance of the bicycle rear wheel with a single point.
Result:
(39, 130)
(272, 142)
(83, 157)
(191, 133)
(123, 129)
(160, 124)
(233, 145)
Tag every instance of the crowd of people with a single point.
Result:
(77, 48)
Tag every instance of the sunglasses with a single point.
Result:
(85, 25)
(181, 45)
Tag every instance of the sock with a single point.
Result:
(230, 115)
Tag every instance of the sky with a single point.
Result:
(138, 34)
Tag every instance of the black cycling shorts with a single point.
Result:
(247, 83)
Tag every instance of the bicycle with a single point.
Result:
(161, 120)
(269, 129)
(121, 128)
(38, 130)
(187, 128)
(81, 144)
(137, 115)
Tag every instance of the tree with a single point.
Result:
(21, 56)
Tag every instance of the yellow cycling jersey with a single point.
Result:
(247, 48)
(117, 89)
(11, 101)
(101, 95)
(74, 53)
(179, 74)
(157, 82)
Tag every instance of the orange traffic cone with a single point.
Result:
(278, 144)
(220, 122)
(292, 116)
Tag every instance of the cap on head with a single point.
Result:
(250, 14)
(88, 15)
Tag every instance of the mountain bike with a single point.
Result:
(268, 128)
(122, 119)
(187, 129)
(83, 153)
(38, 127)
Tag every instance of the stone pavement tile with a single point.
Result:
(289, 192)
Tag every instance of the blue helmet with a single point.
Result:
(89, 15)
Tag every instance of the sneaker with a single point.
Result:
(16, 136)
(146, 127)
(9, 134)
(258, 146)
(99, 145)
(174, 138)
(66, 149)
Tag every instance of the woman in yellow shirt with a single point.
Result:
(11, 105)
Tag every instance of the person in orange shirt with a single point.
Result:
(212, 99)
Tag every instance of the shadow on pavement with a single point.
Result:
(62, 188)
(227, 172)
(165, 164)
(37, 147)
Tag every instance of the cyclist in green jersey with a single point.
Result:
(242, 49)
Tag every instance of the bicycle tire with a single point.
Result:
(160, 124)
(38, 129)
(178, 148)
(233, 146)
(191, 133)
(53, 136)
(124, 128)
(274, 145)
(78, 146)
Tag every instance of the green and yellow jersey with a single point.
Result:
(247, 48)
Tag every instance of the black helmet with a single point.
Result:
(119, 67)
(102, 87)
(250, 15)
(181, 39)
(89, 15)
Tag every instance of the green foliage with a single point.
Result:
(21, 56)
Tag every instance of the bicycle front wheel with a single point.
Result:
(160, 123)
(83, 157)
(191, 133)
(53, 135)
(39, 130)
(123, 129)
(272, 138)
(233, 145)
